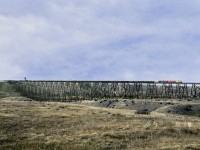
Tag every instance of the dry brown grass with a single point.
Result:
(51, 125)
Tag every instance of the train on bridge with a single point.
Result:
(162, 81)
(169, 81)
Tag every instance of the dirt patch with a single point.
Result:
(176, 106)
(180, 107)
(132, 104)
(183, 109)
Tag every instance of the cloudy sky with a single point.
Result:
(100, 39)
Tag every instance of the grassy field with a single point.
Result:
(53, 125)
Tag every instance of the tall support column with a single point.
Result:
(195, 91)
(151, 91)
(167, 90)
(138, 90)
(181, 91)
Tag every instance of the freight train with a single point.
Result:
(169, 81)
(162, 81)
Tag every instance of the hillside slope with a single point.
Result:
(7, 90)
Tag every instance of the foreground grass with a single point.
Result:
(51, 125)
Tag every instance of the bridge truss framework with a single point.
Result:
(73, 90)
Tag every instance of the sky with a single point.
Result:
(100, 40)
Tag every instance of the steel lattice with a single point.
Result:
(73, 90)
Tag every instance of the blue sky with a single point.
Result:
(100, 40)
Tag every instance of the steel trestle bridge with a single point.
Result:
(74, 90)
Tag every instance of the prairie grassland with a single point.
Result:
(52, 125)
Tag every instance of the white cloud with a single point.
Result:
(112, 40)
